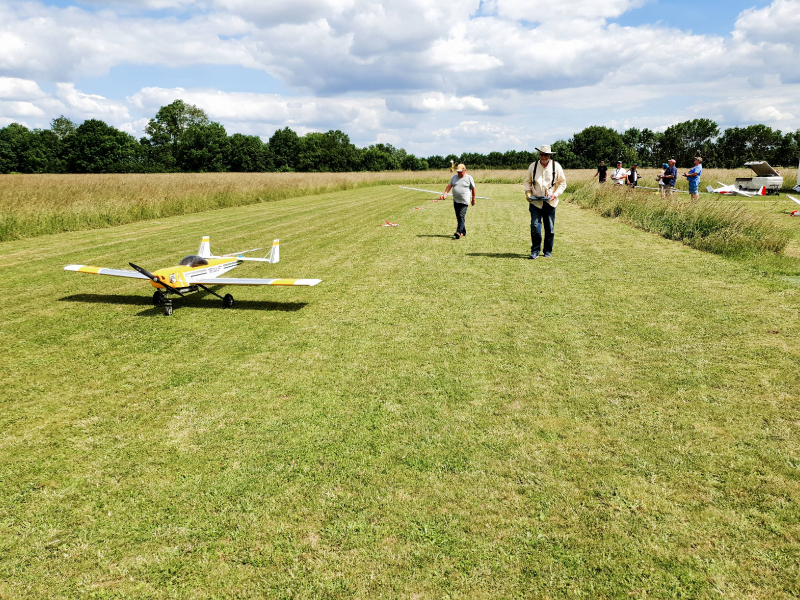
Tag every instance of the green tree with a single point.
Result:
(13, 142)
(204, 148)
(565, 155)
(788, 153)
(284, 146)
(62, 127)
(249, 154)
(99, 148)
(518, 159)
(738, 145)
(326, 152)
(684, 141)
(597, 143)
(438, 162)
(412, 163)
(167, 128)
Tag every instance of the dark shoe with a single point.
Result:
(548, 255)
(456, 235)
(534, 255)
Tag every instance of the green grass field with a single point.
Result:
(437, 419)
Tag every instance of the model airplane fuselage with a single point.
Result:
(196, 272)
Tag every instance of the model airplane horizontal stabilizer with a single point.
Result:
(388, 224)
(197, 271)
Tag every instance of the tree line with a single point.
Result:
(181, 138)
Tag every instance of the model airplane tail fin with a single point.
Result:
(205, 247)
(710, 189)
(275, 254)
(762, 191)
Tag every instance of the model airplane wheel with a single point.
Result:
(167, 310)
(227, 301)
(158, 298)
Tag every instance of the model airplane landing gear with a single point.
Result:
(158, 298)
(167, 305)
(227, 301)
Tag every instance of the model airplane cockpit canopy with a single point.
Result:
(193, 261)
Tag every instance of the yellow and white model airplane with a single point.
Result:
(195, 272)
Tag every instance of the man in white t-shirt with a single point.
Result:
(619, 175)
(463, 187)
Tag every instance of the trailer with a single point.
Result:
(766, 177)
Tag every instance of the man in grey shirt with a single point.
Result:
(463, 187)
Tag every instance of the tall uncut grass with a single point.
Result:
(719, 227)
(33, 205)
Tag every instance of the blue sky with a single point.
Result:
(478, 76)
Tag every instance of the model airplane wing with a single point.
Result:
(103, 271)
(734, 191)
(792, 198)
(246, 281)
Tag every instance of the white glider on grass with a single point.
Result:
(195, 272)
(734, 191)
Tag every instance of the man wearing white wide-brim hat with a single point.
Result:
(544, 183)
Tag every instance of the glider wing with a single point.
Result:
(103, 271)
(247, 281)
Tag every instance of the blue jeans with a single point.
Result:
(546, 215)
(461, 216)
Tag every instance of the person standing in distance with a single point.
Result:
(463, 187)
(544, 183)
(693, 175)
(670, 178)
(619, 175)
(601, 172)
(633, 175)
(661, 183)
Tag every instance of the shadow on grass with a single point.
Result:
(498, 254)
(439, 235)
(198, 302)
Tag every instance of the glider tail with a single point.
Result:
(205, 247)
(275, 254)
(710, 189)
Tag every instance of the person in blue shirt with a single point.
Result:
(693, 175)
(670, 177)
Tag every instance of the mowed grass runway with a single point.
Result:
(438, 418)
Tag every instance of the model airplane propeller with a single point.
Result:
(196, 272)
